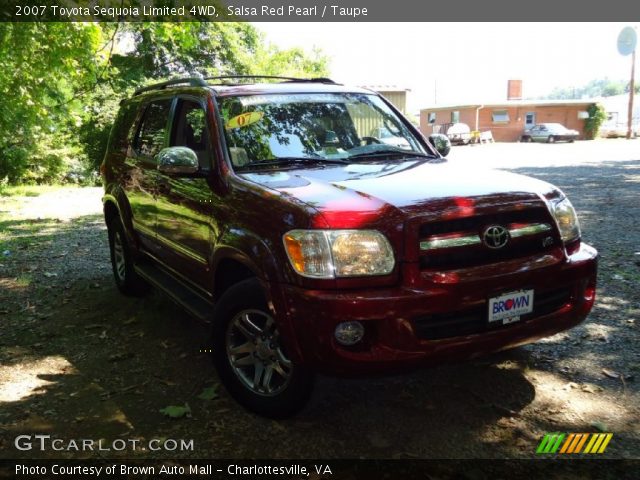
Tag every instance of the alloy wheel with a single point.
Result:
(255, 353)
(118, 256)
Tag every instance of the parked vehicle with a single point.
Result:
(384, 135)
(613, 130)
(265, 209)
(618, 130)
(550, 133)
(459, 134)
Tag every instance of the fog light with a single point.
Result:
(349, 333)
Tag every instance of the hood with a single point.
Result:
(365, 190)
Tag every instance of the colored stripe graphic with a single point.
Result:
(598, 443)
(550, 443)
(573, 443)
(581, 443)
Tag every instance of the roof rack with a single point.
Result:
(202, 81)
(272, 77)
(192, 81)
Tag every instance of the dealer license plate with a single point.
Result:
(509, 307)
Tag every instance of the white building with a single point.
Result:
(617, 108)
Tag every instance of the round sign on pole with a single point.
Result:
(627, 40)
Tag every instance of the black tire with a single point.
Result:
(242, 303)
(527, 139)
(127, 280)
(551, 139)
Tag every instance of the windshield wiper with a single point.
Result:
(390, 152)
(275, 162)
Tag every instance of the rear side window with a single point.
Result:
(119, 139)
(190, 129)
(151, 134)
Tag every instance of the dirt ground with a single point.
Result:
(78, 360)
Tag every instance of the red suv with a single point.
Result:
(271, 211)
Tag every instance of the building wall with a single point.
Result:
(398, 99)
(512, 130)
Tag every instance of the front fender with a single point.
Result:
(251, 251)
(258, 256)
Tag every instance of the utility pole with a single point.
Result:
(627, 41)
(631, 93)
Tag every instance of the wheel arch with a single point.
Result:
(110, 209)
(244, 255)
(231, 269)
(115, 203)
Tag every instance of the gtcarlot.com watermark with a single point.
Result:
(43, 443)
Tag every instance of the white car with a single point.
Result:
(618, 130)
(384, 135)
(459, 134)
(550, 133)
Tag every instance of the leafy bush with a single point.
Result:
(14, 162)
(597, 116)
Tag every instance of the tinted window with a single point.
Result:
(264, 128)
(119, 138)
(190, 129)
(150, 138)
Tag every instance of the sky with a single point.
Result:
(457, 63)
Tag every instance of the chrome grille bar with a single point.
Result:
(466, 240)
(533, 229)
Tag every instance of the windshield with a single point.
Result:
(267, 129)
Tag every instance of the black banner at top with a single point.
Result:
(318, 10)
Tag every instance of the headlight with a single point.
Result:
(339, 253)
(566, 219)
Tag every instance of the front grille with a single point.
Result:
(473, 321)
(438, 255)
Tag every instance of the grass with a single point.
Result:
(30, 190)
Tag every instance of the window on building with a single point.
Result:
(455, 116)
(500, 116)
(432, 117)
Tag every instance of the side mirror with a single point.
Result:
(441, 143)
(178, 161)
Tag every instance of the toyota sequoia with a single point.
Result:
(274, 210)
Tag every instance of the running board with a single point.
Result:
(194, 303)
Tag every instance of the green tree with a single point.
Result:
(602, 87)
(163, 50)
(597, 116)
(42, 65)
(66, 80)
(294, 62)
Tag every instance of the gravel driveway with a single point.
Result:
(78, 360)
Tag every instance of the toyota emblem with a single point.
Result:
(495, 236)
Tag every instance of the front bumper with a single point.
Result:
(393, 341)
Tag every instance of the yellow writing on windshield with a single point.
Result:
(244, 119)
